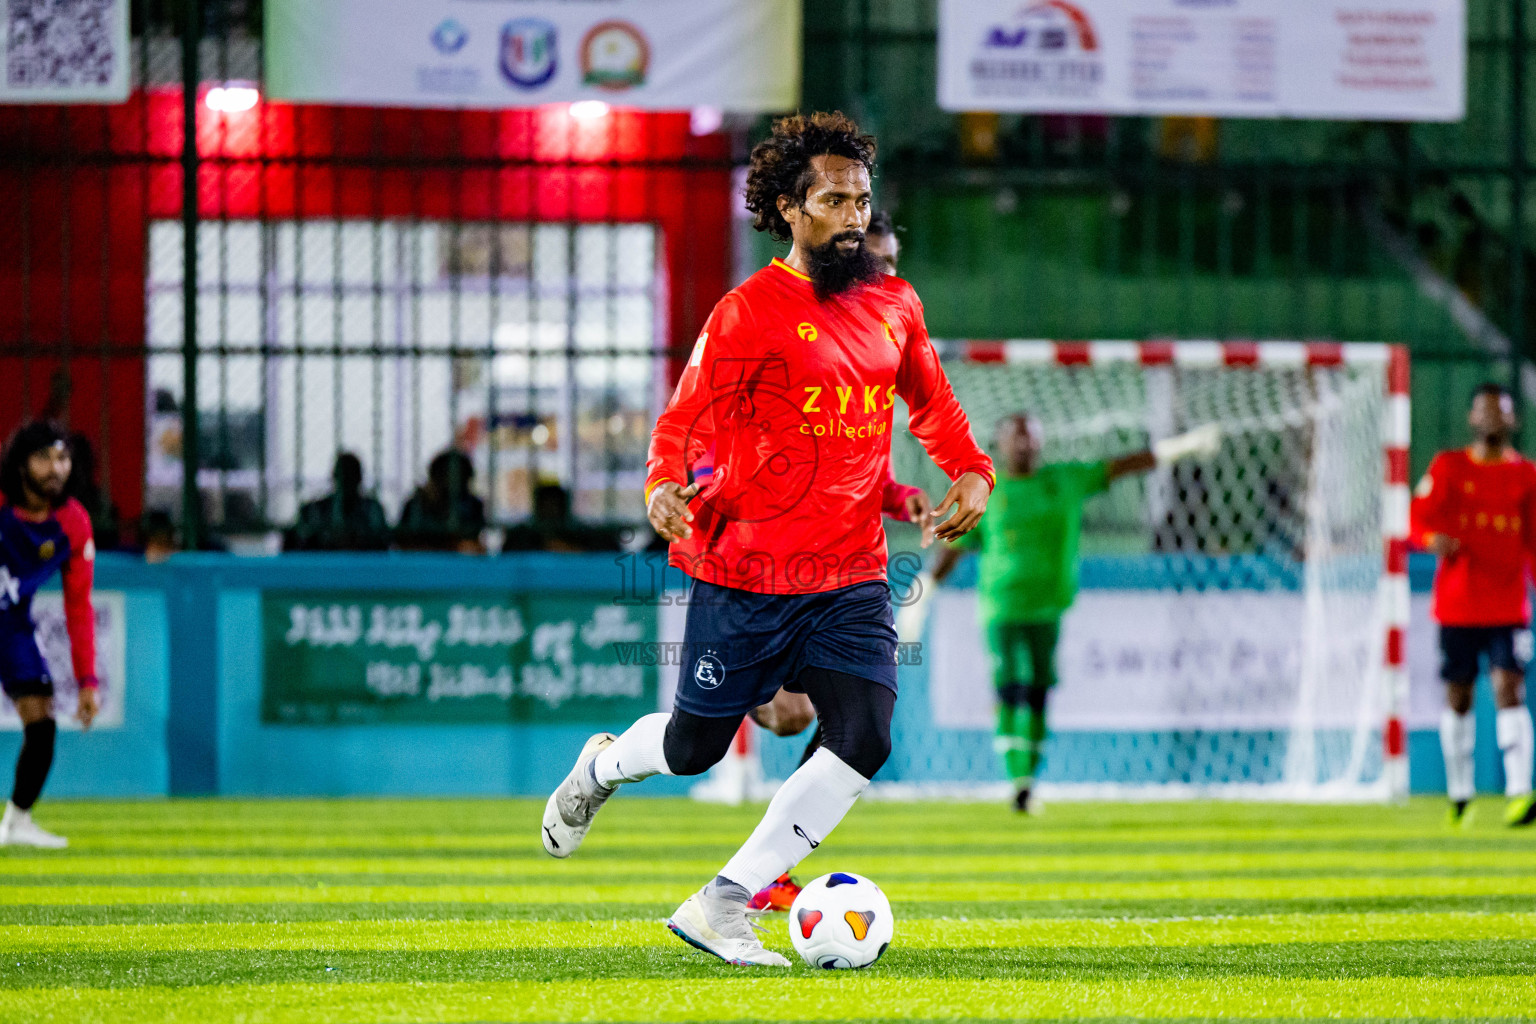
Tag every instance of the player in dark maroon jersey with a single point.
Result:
(1476, 509)
(41, 532)
(792, 381)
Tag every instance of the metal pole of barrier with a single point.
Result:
(1517, 173)
(191, 506)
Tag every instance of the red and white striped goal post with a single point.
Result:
(1396, 427)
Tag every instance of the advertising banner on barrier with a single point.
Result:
(53, 640)
(368, 658)
(741, 55)
(73, 52)
(1325, 59)
(1135, 660)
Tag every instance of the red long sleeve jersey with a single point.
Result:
(795, 395)
(893, 495)
(1490, 508)
(30, 552)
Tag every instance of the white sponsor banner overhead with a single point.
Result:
(1326, 59)
(655, 54)
(63, 51)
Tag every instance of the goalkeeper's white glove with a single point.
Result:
(1202, 442)
(911, 618)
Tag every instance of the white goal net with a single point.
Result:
(1239, 630)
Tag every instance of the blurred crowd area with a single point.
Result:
(443, 514)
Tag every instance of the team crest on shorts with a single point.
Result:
(708, 671)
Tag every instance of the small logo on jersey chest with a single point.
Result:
(807, 331)
(890, 334)
(45, 550)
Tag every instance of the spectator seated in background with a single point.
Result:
(553, 529)
(442, 515)
(157, 536)
(344, 520)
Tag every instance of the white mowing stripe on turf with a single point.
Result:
(808, 994)
(1245, 886)
(921, 933)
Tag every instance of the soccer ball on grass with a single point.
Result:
(841, 921)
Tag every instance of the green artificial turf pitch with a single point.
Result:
(311, 911)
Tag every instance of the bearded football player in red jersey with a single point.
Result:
(1476, 510)
(792, 381)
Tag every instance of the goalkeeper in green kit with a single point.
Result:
(1028, 574)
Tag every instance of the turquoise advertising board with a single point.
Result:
(376, 657)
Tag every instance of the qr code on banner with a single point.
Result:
(60, 44)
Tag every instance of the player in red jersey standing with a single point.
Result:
(793, 381)
(41, 532)
(1476, 510)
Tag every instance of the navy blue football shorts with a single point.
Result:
(23, 672)
(740, 647)
(1462, 649)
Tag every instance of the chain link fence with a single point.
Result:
(517, 286)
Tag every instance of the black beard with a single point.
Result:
(49, 493)
(834, 271)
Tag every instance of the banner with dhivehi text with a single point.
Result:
(737, 55)
(380, 658)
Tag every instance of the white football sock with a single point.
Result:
(1458, 736)
(802, 813)
(1514, 732)
(636, 755)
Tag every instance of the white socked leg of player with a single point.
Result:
(604, 763)
(1458, 736)
(856, 720)
(1514, 732)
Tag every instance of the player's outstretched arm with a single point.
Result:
(1200, 443)
(685, 430)
(937, 421)
(1429, 518)
(78, 576)
(1132, 465)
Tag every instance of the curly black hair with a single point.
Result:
(781, 164)
(880, 223)
(31, 438)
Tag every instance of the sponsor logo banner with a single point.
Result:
(653, 54)
(1326, 59)
(1139, 660)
